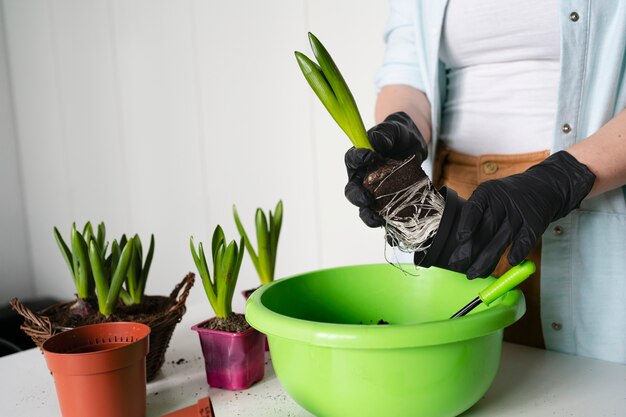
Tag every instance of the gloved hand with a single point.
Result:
(396, 137)
(517, 210)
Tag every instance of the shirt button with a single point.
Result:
(556, 326)
(490, 168)
(573, 16)
(558, 230)
(566, 128)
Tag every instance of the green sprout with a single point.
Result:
(102, 275)
(110, 272)
(332, 90)
(226, 264)
(267, 233)
(77, 258)
(137, 273)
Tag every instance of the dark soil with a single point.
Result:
(380, 322)
(234, 323)
(383, 182)
(63, 315)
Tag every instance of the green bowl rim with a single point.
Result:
(353, 336)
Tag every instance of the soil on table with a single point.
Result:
(152, 306)
(235, 323)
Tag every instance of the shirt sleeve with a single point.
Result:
(400, 62)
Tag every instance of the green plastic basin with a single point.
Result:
(333, 359)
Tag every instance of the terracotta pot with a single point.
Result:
(232, 360)
(100, 370)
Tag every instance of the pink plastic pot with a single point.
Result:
(232, 360)
(246, 294)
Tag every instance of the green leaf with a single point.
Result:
(263, 246)
(146, 269)
(81, 265)
(119, 275)
(220, 281)
(217, 239)
(322, 89)
(194, 255)
(237, 267)
(228, 266)
(74, 258)
(65, 251)
(344, 97)
(116, 253)
(123, 241)
(101, 238)
(276, 221)
(87, 232)
(132, 276)
(210, 286)
(126, 298)
(246, 240)
(99, 274)
(138, 248)
(205, 266)
(203, 270)
(107, 265)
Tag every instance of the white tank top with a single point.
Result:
(502, 64)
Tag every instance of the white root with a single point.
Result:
(415, 233)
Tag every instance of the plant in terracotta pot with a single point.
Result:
(110, 282)
(267, 233)
(418, 218)
(233, 351)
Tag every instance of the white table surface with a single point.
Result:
(530, 382)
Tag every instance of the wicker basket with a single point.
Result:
(39, 327)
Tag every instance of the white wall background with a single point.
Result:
(157, 116)
(15, 267)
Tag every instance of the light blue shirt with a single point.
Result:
(583, 270)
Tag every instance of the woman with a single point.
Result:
(520, 108)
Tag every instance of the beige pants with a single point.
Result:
(463, 173)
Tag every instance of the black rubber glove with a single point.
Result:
(396, 137)
(517, 210)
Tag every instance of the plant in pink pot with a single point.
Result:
(233, 351)
(267, 232)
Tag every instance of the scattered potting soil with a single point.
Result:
(64, 315)
(233, 324)
(380, 322)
